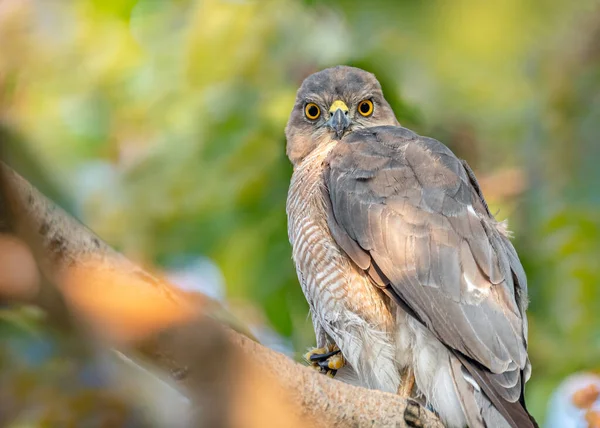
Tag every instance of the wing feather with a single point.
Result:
(418, 213)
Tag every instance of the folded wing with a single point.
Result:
(409, 212)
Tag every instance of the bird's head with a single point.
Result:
(332, 103)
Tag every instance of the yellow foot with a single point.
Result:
(327, 360)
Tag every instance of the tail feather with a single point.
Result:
(515, 413)
(464, 391)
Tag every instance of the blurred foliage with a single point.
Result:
(51, 379)
(164, 122)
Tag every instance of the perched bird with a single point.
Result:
(413, 286)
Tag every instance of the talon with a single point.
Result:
(327, 360)
(323, 364)
(323, 357)
(335, 362)
(314, 351)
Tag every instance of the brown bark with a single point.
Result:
(230, 379)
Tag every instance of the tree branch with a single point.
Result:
(126, 306)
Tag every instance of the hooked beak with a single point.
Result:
(339, 121)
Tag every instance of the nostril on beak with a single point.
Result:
(339, 122)
(332, 113)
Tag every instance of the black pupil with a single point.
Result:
(364, 107)
(313, 111)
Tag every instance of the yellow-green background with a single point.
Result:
(188, 99)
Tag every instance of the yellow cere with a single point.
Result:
(338, 105)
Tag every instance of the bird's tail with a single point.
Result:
(514, 413)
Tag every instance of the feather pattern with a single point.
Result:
(346, 309)
(418, 212)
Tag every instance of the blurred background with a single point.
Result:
(159, 124)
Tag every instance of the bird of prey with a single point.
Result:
(413, 286)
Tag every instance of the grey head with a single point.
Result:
(331, 104)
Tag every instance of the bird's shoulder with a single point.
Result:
(392, 163)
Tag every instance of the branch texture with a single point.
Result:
(226, 375)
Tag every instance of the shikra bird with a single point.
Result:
(413, 286)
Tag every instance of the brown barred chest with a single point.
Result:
(329, 280)
(320, 264)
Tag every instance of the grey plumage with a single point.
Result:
(399, 215)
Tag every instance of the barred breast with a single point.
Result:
(346, 308)
(320, 264)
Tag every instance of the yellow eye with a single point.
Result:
(312, 111)
(365, 108)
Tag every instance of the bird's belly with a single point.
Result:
(329, 280)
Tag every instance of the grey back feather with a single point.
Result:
(406, 209)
